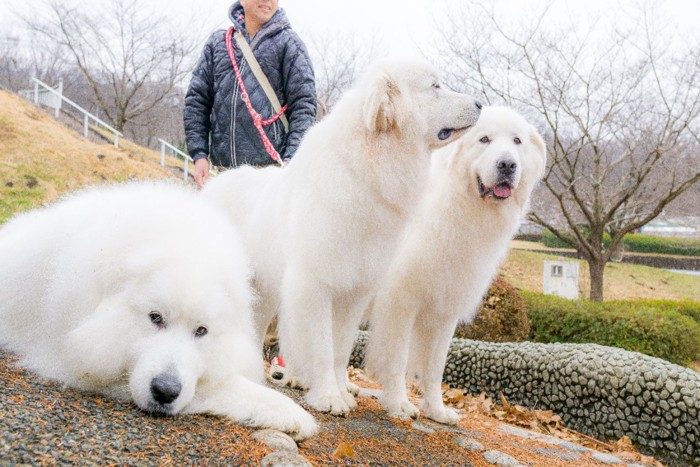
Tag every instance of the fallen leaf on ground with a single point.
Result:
(344, 450)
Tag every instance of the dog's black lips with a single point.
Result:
(158, 410)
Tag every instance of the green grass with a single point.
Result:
(524, 270)
(19, 192)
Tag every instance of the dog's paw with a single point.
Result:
(400, 409)
(289, 418)
(324, 402)
(304, 426)
(350, 399)
(443, 414)
(353, 389)
(295, 382)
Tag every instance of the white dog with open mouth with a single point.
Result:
(104, 292)
(321, 231)
(477, 194)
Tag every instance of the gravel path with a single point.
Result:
(42, 423)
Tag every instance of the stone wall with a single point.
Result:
(602, 391)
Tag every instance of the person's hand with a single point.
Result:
(201, 171)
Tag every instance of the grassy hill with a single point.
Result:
(41, 158)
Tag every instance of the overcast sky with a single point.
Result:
(394, 27)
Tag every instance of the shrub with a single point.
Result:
(659, 331)
(501, 318)
(552, 241)
(529, 237)
(638, 243)
(664, 245)
(684, 307)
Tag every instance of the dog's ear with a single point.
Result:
(380, 106)
(539, 150)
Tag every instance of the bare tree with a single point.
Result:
(620, 107)
(131, 58)
(19, 63)
(338, 59)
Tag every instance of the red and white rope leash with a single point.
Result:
(257, 118)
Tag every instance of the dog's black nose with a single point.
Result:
(165, 388)
(478, 105)
(507, 166)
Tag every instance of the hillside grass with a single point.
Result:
(40, 158)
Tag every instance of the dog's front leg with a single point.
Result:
(253, 405)
(391, 329)
(306, 341)
(433, 335)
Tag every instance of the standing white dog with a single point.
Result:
(321, 231)
(103, 292)
(477, 194)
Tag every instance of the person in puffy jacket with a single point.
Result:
(219, 129)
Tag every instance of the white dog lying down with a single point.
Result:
(104, 293)
(321, 231)
(477, 194)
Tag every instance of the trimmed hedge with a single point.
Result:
(684, 307)
(665, 245)
(552, 241)
(658, 330)
(501, 318)
(637, 243)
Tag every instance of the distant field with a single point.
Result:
(524, 269)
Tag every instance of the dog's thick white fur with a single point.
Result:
(104, 292)
(475, 199)
(322, 230)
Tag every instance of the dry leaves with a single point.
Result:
(493, 300)
(344, 450)
(358, 374)
(543, 421)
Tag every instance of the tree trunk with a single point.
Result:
(596, 267)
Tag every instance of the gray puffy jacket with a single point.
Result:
(213, 104)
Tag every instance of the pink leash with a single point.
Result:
(257, 118)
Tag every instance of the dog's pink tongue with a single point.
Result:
(502, 191)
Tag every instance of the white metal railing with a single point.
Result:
(43, 94)
(176, 152)
(46, 95)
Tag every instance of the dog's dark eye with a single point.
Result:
(436, 85)
(485, 140)
(157, 319)
(516, 140)
(201, 331)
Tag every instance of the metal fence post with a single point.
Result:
(85, 126)
(57, 112)
(162, 153)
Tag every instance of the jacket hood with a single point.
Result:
(277, 22)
